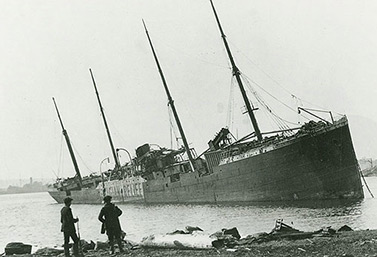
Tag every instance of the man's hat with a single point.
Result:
(67, 200)
(107, 199)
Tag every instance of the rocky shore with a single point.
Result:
(283, 243)
(345, 244)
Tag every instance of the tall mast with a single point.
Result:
(236, 72)
(104, 121)
(171, 103)
(69, 146)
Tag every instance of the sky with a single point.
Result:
(317, 54)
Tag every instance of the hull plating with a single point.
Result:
(127, 190)
(320, 166)
(84, 196)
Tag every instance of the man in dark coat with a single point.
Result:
(109, 216)
(68, 228)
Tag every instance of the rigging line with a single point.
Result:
(283, 122)
(255, 83)
(267, 111)
(82, 160)
(230, 118)
(277, 118)
(270, 118)
(270, 77)
(60, 161)
(293, 123)
(265, 73)
(174, 129)
(260, 100)
(114, 128)
(275, 81)
(280, 122)
(190, 56)
(365, 182)
(171, 130)
(103, 140)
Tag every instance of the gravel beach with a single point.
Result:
(345, 244)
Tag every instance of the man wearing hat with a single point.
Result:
(68, 228)
(109, 215)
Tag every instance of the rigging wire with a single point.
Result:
(277, 120)
(266, 109)
(82, 160)
(103, 140)
(114, 128)
(230, 115)
(290, 108)
(158, 39)
(173, 127)
(281, 123)
(60, 161)
(247, 79)
(275, 81)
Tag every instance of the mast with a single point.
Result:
(104, 121)
(236, 73)
(69, 146)
(171, 103)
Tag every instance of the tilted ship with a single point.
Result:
(316, 161)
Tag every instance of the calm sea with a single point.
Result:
(35, 218)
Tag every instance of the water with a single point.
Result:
(35, 218)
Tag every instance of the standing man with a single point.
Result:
(109, 215)
(68, 228)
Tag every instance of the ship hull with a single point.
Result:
(314, 166)
(84, 196)
(127, 190)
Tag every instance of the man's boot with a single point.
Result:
(120, 245)
(112, 249)
(66, 251)
(76, 249)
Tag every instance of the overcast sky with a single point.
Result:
(322, 52)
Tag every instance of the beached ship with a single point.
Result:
(315, 161)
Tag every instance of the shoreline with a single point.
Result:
(345, 243)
